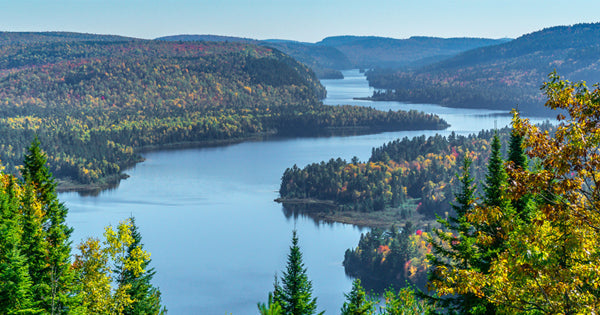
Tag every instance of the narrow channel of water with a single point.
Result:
(207, 215)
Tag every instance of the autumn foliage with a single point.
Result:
(548, 261)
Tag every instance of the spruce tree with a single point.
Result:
(15, 282)
(495, 200)
(34, 246)
(146, 298)
(357, 301)
(519, 162)
(59, 276)
(457, 251)
(295, 292)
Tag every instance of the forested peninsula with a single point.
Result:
(405, 179)
(95, 101)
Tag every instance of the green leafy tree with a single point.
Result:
(357, 301)
(295, 292)
(102, 265)
(404, 302)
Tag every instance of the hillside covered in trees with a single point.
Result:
(336, 53)
(369, 52)
(94, 100)
(501, 76)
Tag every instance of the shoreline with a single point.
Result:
(328, 211)
(112, 182)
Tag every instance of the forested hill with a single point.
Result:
(367, 52)
(93, 103)
(323, 60)
(10, 38)
(332, 54)
(501, 76)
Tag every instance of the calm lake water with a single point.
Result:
(207, 215)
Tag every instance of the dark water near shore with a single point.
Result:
(207, 215)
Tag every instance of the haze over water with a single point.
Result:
(207, 214)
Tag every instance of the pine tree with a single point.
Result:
(36, 172)
(518, 162)
(59, 276)
(457, 250)
(357, 301)
(497, 204)
(34, 246)
(15, 282)
(146, 298)
(295, 292)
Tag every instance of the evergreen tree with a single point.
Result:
(457, 250)
(146, 298)
(15, 282)
(59, 275)
(34, 246)
(295, 292)
(497, 203)
(271, 308)
(36, 172)
(518, 161)
(357, 301)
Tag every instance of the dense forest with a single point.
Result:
(501, 76)
(390, 258)
(94, 101)
(38, 274)
(413, 176)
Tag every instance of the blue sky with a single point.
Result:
(303, 20)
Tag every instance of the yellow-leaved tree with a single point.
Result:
(105, 264)
(549, 262)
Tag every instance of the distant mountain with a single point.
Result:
(332, 54)
(45, 37)
(324, 61)
(369, 52)
(208, 38)
(501, 76)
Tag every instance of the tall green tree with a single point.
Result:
(59, 276)
(295, 292)
(357, 301)
(34, 245)
(455, 248)
(517, 162)
(146, 298)
(35, 171)
(15, 282)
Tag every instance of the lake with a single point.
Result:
(207, 215)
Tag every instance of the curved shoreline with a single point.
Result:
(112, 182)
